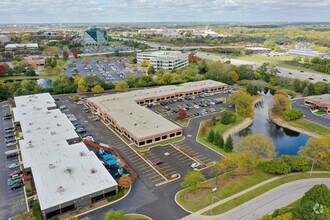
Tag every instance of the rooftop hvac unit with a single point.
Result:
(82, 154)
(143, 122)
(93, 171)
(51, 166)
(30, 145)
(130, 113)
(156, 126)
(52, 133)
(58, 124)
(135, 124)
(61, 189)
(30, 123)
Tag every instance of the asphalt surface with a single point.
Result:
(13, 202)
(271, 200)
(284, 72)
(298, 104)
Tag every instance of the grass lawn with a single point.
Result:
(228, 189)
(218, 127)
(310, 126)
(27, 77)
(260, 190)
(320, 113)
(136, 217)
(61, 62)
(183, 122)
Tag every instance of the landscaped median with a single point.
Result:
(260, 190)
(233, 185)
(310, 126)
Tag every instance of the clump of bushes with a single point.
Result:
(286, 164)
(292, 114)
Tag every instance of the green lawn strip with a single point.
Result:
(227, 190)
(218, 127)
(310, 126)
(27, 77)
(260, 190)
(319, 113)
(61, 62)
(136, 217)
(183, 122)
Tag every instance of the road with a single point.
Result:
(267, 202)
(284, 72)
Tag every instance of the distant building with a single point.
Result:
(207, 32)
(21, 46)
(170, 60)
(48, 34)
(95, 37)
(308, 53)
(35, 60)
(258, 49)
(4, 39)
(320, 102)
(151, 32)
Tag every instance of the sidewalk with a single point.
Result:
(198, 215)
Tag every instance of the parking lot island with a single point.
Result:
(66, 174)
(129, 116)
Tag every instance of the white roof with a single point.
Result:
(139, 120)
(12, 46)
(45, 135)
(70, 178)
(165, 55)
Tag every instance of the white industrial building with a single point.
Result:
(30, 46)
(4, 39)
(66, 174)
(170, 60)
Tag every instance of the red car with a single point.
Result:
(15, 172)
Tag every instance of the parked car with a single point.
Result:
(15, 172)
(11, 182)
(9, 129)
(12, 144)
(157, 162)
(80, 102)
(96, 119)
(195, 165)
(81, 130)
(13, 165)
(17, 185)
(17, 176)
(7, 117)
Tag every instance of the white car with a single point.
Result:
(89, 138)
(196, 106)
(80, 103)
(13, 165)
(195, 165)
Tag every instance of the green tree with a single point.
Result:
(227, 117)
(214, 120)
(121, 86)
(211, 135)
(117, 215)
(293, 114)
(243, 103)
(297, 85)
(229, 145)
(64, 84)
(276, 166)
(192, 181)
(252, 90)
(296, 163)
(258, 145)
(225, 165)
(305, 211)
(216, 137)
(318, 194)
(151, 70)
(319, 150)
(280, 104)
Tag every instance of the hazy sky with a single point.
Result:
(45, 11)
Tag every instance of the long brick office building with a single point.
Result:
(129, 116)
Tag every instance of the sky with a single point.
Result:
(74, 11)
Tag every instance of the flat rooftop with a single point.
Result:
(139, 120)
(67, 179)
(325, 98)
(62, 172)
(165, 54)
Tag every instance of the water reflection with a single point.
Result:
(285, 140)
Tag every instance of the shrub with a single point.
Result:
(292, 114)
(318, 194)
(276, 166)
(210, 136)
(227, 117)
(296, 163)
(36, 212)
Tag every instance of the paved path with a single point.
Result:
(265, 203)
(284, 72)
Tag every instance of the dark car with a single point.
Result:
(157, 162)
(17, 185)
(12, 182)
(7, 117)
(325, 80)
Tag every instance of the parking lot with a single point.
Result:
(105, 49)
(107, 69)
(100, 132)
(171, 160)
(12, 202)
(194, 106)
(298, 104)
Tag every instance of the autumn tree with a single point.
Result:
(203, 130)
(243, 103)
(280, 104)
(192, 181)
(3, 69)
(74, 53)
(258, 145)
(234, 76)
(319, 150)
(182, 114)
(98, 89)
(121, 86)
(117, 215)
(125, 181)
(82, 86)
(225, 165)
(65, 55)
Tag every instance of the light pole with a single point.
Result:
(312, 167)
(213, 197)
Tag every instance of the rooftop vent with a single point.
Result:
(30, 123)
(93, 171)
(27, 131)
(22, 105)
(30, 145)
(135, 124)
(82, 154)
(51, 166)
(156, 126)
(55, 116)
(130, 113)
(60, 189)
(24, 113)
(58, 124)
(52, 132)
(69, 170)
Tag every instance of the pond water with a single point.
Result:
(45, 83)
(285, 140)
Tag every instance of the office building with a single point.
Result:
(95, 37)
